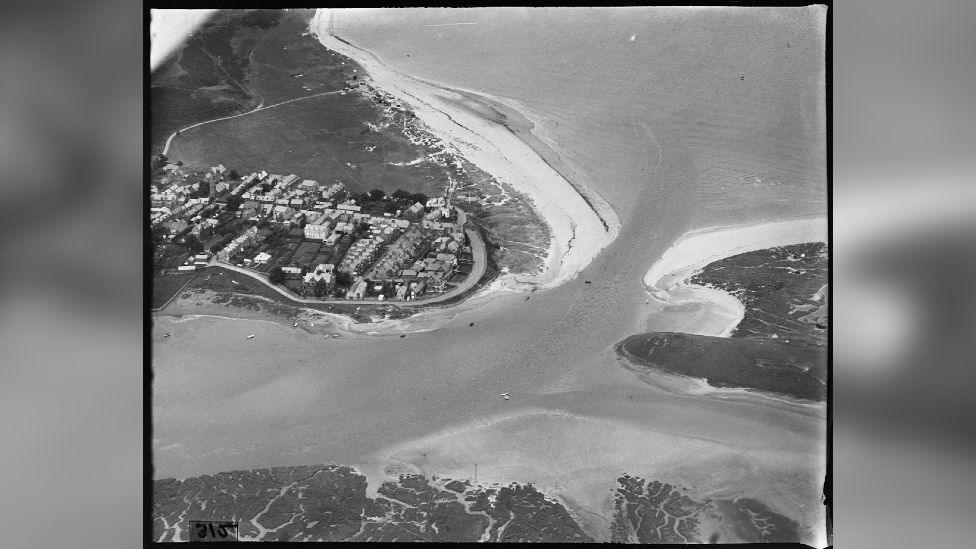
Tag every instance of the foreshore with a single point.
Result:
(581, 224)
(667, 279)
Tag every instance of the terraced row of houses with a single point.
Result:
(397, 255)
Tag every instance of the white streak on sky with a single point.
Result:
(168, 29)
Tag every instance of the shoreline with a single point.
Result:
(578, 230)
(667, 279)
(208, 303)
(689, 385)
(511, 446)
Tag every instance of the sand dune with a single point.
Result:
(577, 230)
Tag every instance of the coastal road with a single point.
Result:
(169, 140)
(478, 251)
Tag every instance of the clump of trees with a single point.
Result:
(157, 161)
(220, 244)
(377, 202)
(320, 288)
(343, 279)
(404, 196)
(234, 202)
(276, 275)
(204, 190)
(193, 244)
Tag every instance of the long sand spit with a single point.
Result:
(667, 279)
(578, 231)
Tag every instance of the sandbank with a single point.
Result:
(576, 459)
(667, 279)
(578, 231)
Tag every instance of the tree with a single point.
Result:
(193, 244)
(276, 275)
(158, 161)
(377, 194)
(401, 194)
(234, 202)
(320, 287)
(204, 190)
(158, 235)
(233, 175)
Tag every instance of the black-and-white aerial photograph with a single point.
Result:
(489, 275)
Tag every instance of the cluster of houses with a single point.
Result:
(249, 236)
(289, 200)
(323, 274)
(178, 205)
(191, 264)
(417, 260)
(407, 253)
(397, 265)
(362, 251)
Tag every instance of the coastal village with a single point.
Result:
(315, 239)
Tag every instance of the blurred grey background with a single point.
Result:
(71, 315)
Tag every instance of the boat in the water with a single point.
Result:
(249, 337)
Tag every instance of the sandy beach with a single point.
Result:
(718, 312)
(578, 232)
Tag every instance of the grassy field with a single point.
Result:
(164, 286)
(322, 138)
(290, 63)
(783, 289)
(238, 60)
(205, 79)
(762, 364)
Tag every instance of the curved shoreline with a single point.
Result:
(687, 384)
(694, 250)
(507, 107)
(579, 231)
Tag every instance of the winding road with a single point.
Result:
(478, 251)
(169, 140)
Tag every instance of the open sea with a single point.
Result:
(718, 112)
(680, 119)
